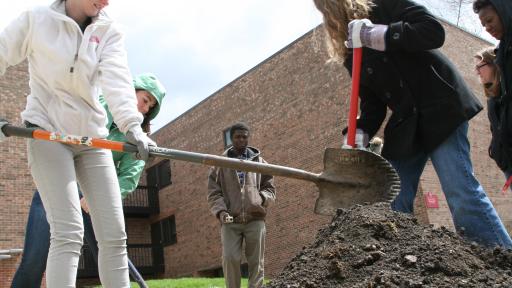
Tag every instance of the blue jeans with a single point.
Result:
(35, 251)
(473, 214)
(37, 244)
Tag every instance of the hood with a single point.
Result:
(504, 9)
(150, 83)
(253, 152)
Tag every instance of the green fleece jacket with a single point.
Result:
(128, 169)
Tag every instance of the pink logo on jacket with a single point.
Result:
(94, 39)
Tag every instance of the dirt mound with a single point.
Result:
(372, 246)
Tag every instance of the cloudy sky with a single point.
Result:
(197, 47)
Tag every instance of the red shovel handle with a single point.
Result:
(354, 97)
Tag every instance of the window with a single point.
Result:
(159, 175)
(164, 231)
(227, 138)
(169, 231)
(158, 247)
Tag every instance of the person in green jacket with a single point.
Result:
(150, 93)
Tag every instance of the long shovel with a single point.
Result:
(349, 177)
(392, 182)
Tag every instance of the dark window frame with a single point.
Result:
(227, 138)
(166, 231)
(169, 231)
(159, 175)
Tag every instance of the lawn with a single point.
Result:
(188, 283)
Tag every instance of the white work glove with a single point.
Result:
(137, 137)
(375, 145)
(361, 139)
(2, 135)
(363, 33)
(225, 218)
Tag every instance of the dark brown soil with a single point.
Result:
(372, 246)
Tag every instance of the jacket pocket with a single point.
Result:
(254, 202)
(441, 78)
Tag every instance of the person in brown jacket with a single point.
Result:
(240, 201)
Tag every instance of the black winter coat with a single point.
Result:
(426, 94)
(500, 107)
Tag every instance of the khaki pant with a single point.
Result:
(232, 236)
(57, 169)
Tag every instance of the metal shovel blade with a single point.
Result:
(354, 176)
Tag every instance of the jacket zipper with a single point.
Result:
(242, 191)
(72, 69)
(79, 41)
(243, 199)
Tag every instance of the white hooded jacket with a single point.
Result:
(68, 69)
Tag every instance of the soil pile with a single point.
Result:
(372, 246)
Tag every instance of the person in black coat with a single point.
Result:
(496, 17)
(431, 104)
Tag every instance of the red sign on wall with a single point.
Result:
(431, 200)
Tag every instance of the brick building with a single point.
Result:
(296, 105)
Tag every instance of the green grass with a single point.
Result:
(188, 283)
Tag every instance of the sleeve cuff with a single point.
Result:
(394, 35)
(218, 213)
(135, 128)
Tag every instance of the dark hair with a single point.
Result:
(480, 4)
(238, 126)
(146, 124)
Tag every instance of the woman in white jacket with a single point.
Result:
(74, 50)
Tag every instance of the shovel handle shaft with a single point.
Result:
(232, 163)
(39, 134)
(205, 159)
(354, 96)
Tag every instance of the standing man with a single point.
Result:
(240, 201)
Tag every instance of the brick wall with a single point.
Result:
(16, 187)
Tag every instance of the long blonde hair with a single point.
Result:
(488, 56)
(337, 14)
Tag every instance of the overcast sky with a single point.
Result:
(197, 47)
